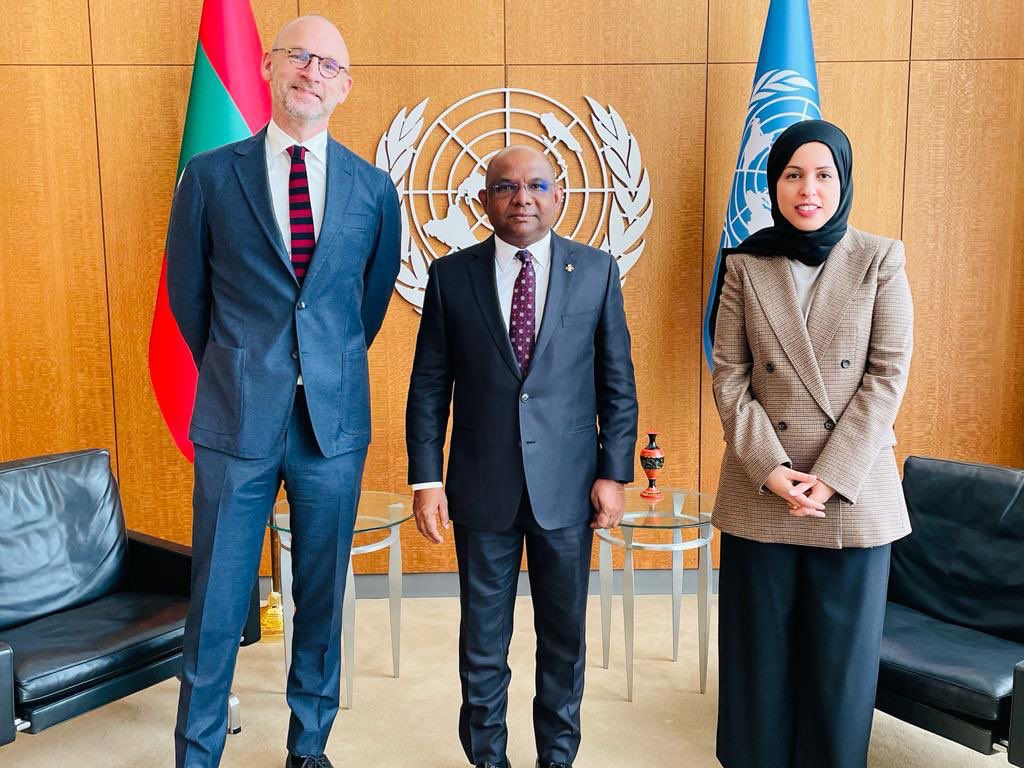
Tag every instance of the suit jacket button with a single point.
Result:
(302, 305)
(295, 354)
(524, 397)
(769, 367)
(844, 364)
(830, 425)
(783, 426)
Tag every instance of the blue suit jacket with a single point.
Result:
(250, 327)
(571, 420)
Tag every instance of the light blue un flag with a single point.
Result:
(785, 92)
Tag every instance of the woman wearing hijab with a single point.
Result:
(811, 354)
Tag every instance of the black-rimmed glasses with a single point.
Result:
(300, 58)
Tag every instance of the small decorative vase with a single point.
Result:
(652, 459)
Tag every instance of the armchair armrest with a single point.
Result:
(164, 567)
(159, 566)
(7, 729)
(251, 633)
(1015, 751)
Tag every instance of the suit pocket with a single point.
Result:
(219, 392)
(355, 393)
(590, 426)
(578, 317)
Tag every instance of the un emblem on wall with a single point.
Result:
(439, 172)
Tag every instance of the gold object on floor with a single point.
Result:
(272, 620)
(271, 615)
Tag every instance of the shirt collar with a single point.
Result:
(504, 252)
(278, 141)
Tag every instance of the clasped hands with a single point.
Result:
(430, 508)
(804, 494)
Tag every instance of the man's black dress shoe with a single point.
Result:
(553, 765)
(506, 764)
(307, 761)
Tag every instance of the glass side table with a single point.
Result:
(677, 510)
(378, 511)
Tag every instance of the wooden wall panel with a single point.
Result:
(960, 214)
(55, 370)
(877, 133)
(964, 229)
(164, 31)
(607, 32)
(399, 32)
(964, 29)
(44, 32)
(156, 481)
(843, 30)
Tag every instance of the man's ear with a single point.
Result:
(345, 89)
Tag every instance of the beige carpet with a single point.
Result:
(411, 721)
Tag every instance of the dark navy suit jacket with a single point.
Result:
(249, 325)
(571, 420)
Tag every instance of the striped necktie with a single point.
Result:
(300, 213)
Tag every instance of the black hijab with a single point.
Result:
(783, 239)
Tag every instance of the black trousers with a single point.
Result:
(799, 630)
(559, 568)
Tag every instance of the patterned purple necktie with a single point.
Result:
(524, 312)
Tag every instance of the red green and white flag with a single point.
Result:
(227, 101)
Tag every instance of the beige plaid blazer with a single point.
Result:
(819, 396)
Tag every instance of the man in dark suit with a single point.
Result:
(529, 330)
(282, 251)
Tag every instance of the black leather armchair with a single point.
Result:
(89, 612)
(953, 644)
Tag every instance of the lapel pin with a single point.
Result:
(569, 267)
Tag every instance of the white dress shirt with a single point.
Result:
(805, 280)
(506, 270)
(279, 168)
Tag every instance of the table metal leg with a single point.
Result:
(704, 604)
(628, 589)
(348, 634)
(677, 589)
(605, 559)
(395, 597)
(234, 715)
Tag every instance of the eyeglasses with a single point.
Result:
(300, 58)
(511, 188)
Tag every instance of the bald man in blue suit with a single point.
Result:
(282, 252)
